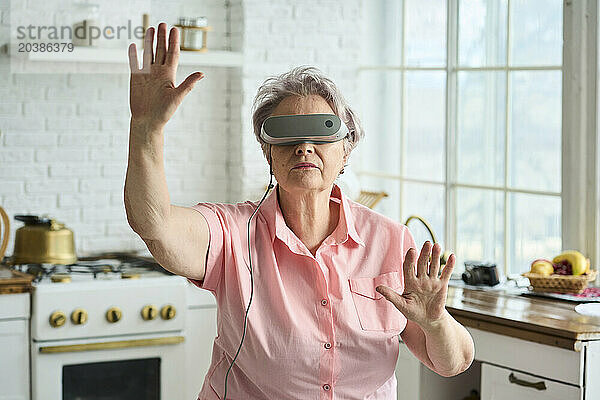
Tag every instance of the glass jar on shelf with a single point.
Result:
(192, 33)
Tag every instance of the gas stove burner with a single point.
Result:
(104, 266)
(123, 256)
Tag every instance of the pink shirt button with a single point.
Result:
(326, 386)
(324, 302)
(327, 345)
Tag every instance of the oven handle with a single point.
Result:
(121, 344)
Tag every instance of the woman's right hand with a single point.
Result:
(153, 96)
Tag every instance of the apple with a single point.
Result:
(542, 266)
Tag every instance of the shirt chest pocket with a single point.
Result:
(375, 312)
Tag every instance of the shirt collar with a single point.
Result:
(278, 228)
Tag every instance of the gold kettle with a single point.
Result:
(41, 241)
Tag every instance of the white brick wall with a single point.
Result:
(64, 136)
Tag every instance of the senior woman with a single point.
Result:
(333, 283)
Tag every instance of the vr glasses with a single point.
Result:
(303, 128)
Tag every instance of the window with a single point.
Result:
(462, 107)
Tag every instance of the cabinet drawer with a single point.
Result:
(537, 359)
(502, 383)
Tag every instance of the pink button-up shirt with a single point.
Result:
(316, 328)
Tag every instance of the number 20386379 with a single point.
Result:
(42, 47)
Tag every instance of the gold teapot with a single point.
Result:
(41, 240)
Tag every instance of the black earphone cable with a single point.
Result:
(251, 275)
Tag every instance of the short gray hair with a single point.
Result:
(303, 81)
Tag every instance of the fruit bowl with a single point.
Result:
(556, 283)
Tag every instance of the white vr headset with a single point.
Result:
(303, 128)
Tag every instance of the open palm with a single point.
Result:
(424, 298)
(153, 96)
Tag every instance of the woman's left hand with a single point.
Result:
(424, 298)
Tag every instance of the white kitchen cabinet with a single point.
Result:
(200, 331)
(14, 346)
(499, 383)
(537, 359)
(564, 374)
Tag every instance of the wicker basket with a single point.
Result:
(560, 283)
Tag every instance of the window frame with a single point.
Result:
(580, 166)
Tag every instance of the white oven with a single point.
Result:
(144, 367)
(108, 335)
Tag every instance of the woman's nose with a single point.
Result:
(304, 148)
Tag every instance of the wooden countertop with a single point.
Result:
(12, 281)
(506, 312)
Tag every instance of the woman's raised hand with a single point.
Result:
(424, 298)
(153, 96)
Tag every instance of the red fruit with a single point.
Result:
(563, 267)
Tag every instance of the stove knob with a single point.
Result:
(113, 314)
(57, 319)
(79, 316)
(149, 312)
(168, 312)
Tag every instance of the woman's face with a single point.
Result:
(328, 158)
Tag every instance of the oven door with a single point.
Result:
(146, 367)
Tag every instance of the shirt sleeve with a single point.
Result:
(215, 257)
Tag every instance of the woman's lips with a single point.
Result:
(304, 166)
